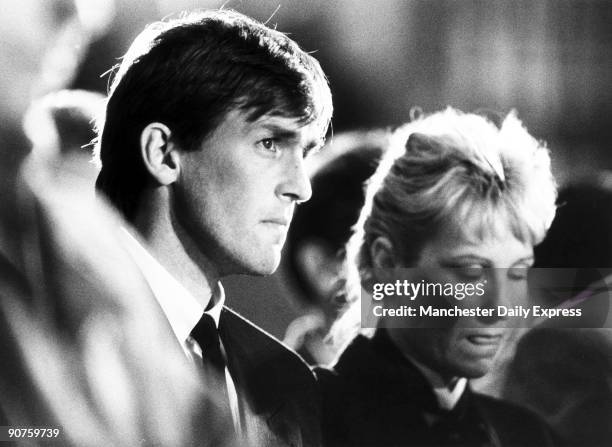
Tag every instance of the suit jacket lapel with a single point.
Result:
(267, 384)
(248, 363)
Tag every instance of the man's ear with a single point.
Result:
(382, 253)
(159, 154)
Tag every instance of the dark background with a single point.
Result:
(551, 60)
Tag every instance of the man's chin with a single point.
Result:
(263, 266)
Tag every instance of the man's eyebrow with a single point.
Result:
(280, 131)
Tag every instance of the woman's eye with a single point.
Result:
(472, 271)
(518, 273)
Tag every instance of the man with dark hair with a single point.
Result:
(209, 119)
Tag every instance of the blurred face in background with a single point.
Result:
(325, 270)
(467, 346)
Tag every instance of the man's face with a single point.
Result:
(236, 194)
(468, 346)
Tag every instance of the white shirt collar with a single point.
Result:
(447, 396)
(182, 310)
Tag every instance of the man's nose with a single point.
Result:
(295, 184)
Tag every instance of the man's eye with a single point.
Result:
(269, 144)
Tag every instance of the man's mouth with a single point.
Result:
(277, 221)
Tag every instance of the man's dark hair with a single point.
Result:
(188, 73)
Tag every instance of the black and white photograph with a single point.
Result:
(306, 223)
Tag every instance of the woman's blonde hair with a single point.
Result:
(452, 168)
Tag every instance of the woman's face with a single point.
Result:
(468, 345)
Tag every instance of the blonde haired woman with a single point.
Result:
(465, 199)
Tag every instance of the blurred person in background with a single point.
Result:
(457, 199)
(64, 121)
(83, 345)
(208, 123)
(314, 258)
(565, 373)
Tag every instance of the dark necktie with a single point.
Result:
(213, 362)
(205, 333)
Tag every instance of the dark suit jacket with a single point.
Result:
(373, 396)
(277, 391)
